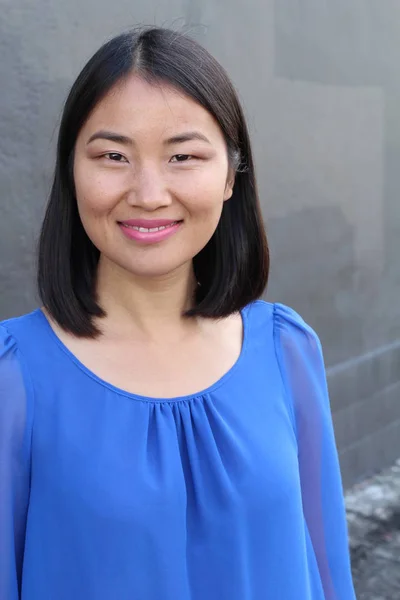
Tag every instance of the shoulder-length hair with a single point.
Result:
(233, 267)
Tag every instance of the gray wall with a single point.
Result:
(321, 87)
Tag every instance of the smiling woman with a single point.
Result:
(162, 160)
(184, 131)
(165, 435)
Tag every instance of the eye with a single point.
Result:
(181, 157)
(115, 157)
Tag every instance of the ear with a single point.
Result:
(229, 185)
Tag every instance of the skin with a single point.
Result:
(149, 177)
(146, 346)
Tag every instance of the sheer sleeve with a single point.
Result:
(15, 427)
(300, 356)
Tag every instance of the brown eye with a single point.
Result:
(181, 158)
(116, 157)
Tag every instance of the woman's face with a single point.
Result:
(151, 176)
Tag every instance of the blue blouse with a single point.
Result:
(233, 493)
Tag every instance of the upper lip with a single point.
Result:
(149, 223)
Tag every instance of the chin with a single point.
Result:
(160, 264)
(159, 270)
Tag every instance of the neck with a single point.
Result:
(149, 306)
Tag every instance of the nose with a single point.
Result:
(148, 189)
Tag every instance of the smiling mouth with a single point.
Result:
(151, 229)
(145, 231)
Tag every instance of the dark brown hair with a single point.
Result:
(233, 267)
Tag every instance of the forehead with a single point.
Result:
(137, 105)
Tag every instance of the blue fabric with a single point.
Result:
(231, 494)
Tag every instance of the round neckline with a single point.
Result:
(150, 399)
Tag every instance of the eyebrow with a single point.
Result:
(127, 141)
(110, 136)
(187, 137)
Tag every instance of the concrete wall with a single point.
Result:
(321, 87)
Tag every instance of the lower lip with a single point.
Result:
(150, 237)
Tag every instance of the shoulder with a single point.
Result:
(23, 340)
(285, 321)
(16, 389)
(297, 345)
(17, 333)
(20, 323)
(289, 334)
(259, 312)
(25, 332)
(283, 329)
(288, 323)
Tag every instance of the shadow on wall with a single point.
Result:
(315, 248)
(342, 43)
(29, 110)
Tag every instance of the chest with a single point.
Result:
(164, 368)
(105, 457)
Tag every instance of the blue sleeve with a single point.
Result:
(15, 428)
(302, 366)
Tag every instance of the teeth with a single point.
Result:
(152, 229)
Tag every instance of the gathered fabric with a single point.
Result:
(233, 493)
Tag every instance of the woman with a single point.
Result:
(164, 434)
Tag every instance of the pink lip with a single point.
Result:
(149, 237)
(148, 223)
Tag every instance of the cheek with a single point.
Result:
(204, 194)
(94, 195)
(204, 207)
(94, 204)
